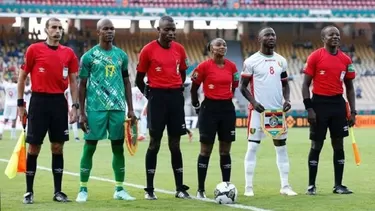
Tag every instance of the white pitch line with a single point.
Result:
(238, 206)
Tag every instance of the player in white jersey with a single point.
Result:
(10, 106)
(27, 94)
(139, 105)
(265, 71)
(68, 97)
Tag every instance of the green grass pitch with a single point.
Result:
(266, 181)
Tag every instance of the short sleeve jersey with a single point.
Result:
(266, 73)
(104, 71)
(163, 66)
(329, 71)
(49, 68)
(218, 82)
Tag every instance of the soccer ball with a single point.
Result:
(225, 193)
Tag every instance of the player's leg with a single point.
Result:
(75, 131)
(58, 134)
(38, 124)
(2, 126)
(282, 161)
(318, 134)
(13, 117)
(255, 135)
(190, 134)
(116, 135)
(97, 122)
(157, 119)
(338, 127)
(176, 128)
(142, 125)
(207, 132)
(6, 115)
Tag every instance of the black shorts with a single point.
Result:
(47, 112)
(217, 116)
(330, 114)
(166, 108)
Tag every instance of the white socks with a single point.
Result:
(13, 133)
(2, 125)
(282, 162)
(75, 130)
(250, 162)
(143, 125)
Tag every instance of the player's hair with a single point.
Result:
(263, 28)
(51, 19)
(166, 18)
(323, 31)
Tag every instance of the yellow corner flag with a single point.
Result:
(17, 162)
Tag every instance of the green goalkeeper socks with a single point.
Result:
(86, 164)
(118, 165)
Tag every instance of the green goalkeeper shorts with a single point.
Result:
(105, 124)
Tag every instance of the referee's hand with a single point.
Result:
(83, 123)
(73, 117)
(351, 120)
(311, 116)
(22, 112)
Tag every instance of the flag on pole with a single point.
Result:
(17, 162)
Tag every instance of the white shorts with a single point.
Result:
(10, 112)
(255, 130)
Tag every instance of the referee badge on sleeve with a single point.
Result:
(65, 72)
(351, 68)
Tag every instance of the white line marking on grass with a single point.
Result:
(238, 206)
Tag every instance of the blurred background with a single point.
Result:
(296, 22)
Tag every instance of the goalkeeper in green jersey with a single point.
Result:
(104, 86)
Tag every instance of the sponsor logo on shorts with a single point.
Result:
(252, 130)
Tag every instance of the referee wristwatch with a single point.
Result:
(75, 105)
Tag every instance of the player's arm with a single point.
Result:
(25, 70)
(184, 64)
(309, 71)
(246, 74)
(73, 69)
(128, 87)
(348, 81)
(142, 68)
(196, 79)
(84, 71)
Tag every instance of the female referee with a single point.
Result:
(216, 114)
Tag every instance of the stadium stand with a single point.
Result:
(13, 44)
(337, 4)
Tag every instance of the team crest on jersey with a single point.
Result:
(252, 130)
